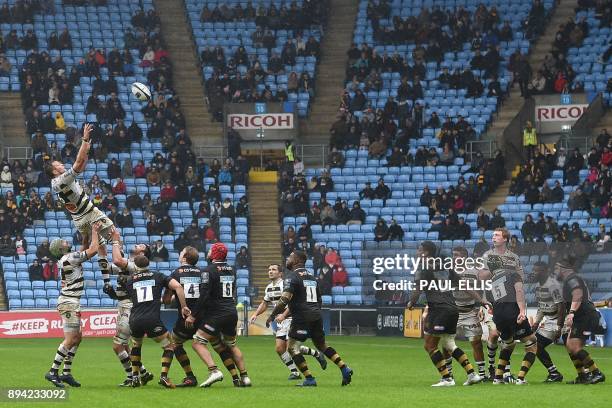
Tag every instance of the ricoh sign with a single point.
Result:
(262, 125)
(560, 113)
(269, 121)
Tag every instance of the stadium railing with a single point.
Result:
(17, 152)
(313, 154)
(486, 147)
(208, 153)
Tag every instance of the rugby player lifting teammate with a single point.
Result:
(121, 339)
(69, 305)
(441, 323)
(504, 269)
(302, 295)
(272, 294)
(77, 203)
(145, 289)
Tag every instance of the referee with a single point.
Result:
(581, 321)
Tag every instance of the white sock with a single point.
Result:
(286, 357)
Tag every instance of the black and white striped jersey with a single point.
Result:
(71, 272)
(549, 296)
(71, 193)
(273, 292)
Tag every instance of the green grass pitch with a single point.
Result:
(389, 372)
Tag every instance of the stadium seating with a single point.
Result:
(231, 35)
(355, 243)
(586, 59)
(84, 25)
(446, 102)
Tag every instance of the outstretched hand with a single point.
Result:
(115, 234)
(87, 132)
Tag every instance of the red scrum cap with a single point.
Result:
(218, 251)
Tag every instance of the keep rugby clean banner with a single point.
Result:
(43, 323)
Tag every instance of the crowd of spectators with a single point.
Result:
(593, 193)
(557, 75)
(289, 17)
(23, 11)
(444, 205)
(175, 169)
(228, 84)
(22, 207)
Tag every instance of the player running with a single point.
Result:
(504, 269)
(302, 295)
(282, 323)
(77, 203)
(216, 317)
(549, 319)
(469, 311)
(582, 320)
(441, 323)
(122, 336)
(145, 289)
(190, 278)
(69, 305)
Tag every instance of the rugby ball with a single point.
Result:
(141, 91)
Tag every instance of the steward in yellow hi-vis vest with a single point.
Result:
(530, 140)
(289, 151)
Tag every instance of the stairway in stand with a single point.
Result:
(331, 72)
(497, 198)
(12, 121)
(187, 76)
(264, 233)
(605, 122)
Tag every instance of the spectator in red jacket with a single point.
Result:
(159, 54)
(120, 187)
(209, 233)
(340, 277)
(332, 258)
(139, 171)
(50, 271)
(168, 193)
(560, 82)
